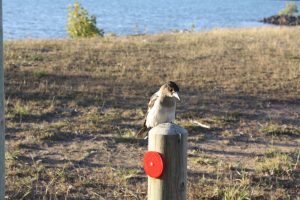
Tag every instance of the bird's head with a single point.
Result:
(170, 89)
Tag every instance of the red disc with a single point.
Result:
(153, 164)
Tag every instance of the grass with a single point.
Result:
(20, 110)
(206, 160)
(235, 192)
(39, 74)
(279, 130)
(237, 186)
(36, 57)
(275, 163)
(73, 106)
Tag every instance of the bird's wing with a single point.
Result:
(152, 101)
(143, 132)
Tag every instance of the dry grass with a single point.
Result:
(275, 162)
(72, 107)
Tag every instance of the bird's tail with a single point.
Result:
(142, 132)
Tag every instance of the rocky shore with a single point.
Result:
(287, 20)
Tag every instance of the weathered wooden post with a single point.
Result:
(170, 142)
(2, 140)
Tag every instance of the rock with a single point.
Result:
(285, 20)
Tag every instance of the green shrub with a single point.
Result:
(81, 24)
(290, 9)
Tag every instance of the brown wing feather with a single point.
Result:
(144, 130)
(151, 102)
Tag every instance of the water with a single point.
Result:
(48, 18)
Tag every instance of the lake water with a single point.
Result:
(47, 18)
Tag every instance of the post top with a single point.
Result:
(168, 129)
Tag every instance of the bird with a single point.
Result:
(161, 108)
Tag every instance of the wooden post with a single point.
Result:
(170, 140)
(2, 138)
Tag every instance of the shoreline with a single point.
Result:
(267, 26)
(259, 23)
(282, 20)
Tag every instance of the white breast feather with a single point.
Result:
(158, 114)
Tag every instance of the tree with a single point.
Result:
(81, 24)
(290, 9)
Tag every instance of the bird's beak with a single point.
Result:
(175, 94)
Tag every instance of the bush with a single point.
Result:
(81, 24)
(290, 9)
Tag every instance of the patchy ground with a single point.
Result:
(73, 107)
